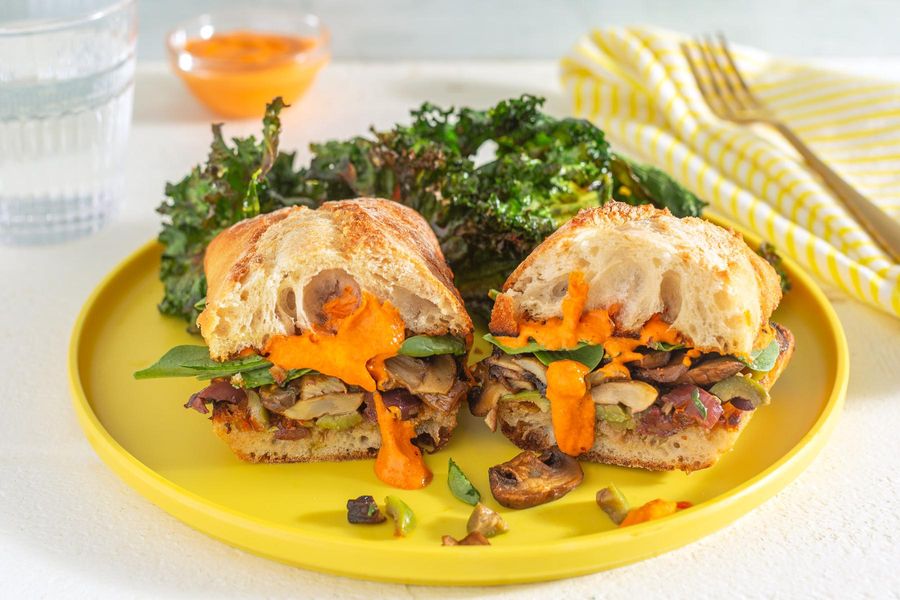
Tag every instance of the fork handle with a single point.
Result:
(883, 229)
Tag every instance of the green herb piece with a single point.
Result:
(402, 515)
(460, 485)
(768, 252)
(194, 361)
(589, 356)
(665, 346)
(432, 345)
(492, 293)
(613, 503)
(695, 398)
(762, 361)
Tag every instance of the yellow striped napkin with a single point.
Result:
(635, 84)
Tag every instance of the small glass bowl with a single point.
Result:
(279, 53)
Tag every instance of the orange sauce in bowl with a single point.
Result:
(236, 73)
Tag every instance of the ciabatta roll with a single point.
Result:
(663, 326)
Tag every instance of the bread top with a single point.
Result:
(270, 275)
(701, 278)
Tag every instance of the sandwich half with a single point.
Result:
(634, 338)
(331, 334)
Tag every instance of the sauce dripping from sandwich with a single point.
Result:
(359, 334)
(571, 407)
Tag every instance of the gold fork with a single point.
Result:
(730, 98)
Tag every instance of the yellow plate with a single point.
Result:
(296, 513)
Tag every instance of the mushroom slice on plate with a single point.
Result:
(531, 478)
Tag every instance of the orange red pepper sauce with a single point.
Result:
(358, 336)
(236, 73)
(571, 407)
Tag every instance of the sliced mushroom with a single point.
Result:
(598, 376)
(278, 399)
(473, 539)
(636, 395)
(480, 404)
(405, 371)
(318, 385)
(533, 366)
(324, 286)
(652, 360)
(711, 371)
(440, 375)
(326, 404)
(504, 362)
(667, 373)
(531, 479)
(446, 402)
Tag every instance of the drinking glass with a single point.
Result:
(66, 89)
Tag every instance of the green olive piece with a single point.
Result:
(744, 392)
(402, 514)
(613, 503)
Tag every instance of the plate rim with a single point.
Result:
(241, 529)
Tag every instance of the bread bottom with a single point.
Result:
(231, 424)
(690, 449)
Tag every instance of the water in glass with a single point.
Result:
(66, 88)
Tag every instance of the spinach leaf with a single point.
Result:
(763, 360)
(589, 356)
(261, 377)
(529, 347)
(432, 345)
(194, 361)
(460, 485)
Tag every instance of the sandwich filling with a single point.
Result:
(354, 342)
(652, 382)
(355, 367)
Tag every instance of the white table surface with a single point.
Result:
(70, 528)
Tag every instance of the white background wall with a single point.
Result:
(404, 29)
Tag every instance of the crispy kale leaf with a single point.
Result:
(492, 184)
(769, 253)
(240, 180)
(645, 184)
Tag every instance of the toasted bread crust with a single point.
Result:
(691, 449)
(687, 450)
(232, 424)
(646, 261)
(259, 270)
